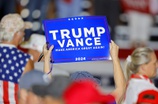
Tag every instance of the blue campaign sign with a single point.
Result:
(78, 39)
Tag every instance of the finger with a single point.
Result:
(51, 48)
(110, 46)
(113, 43)
(45, 47)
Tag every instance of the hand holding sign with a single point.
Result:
(47, 54)
(114, 50)
(78, 38)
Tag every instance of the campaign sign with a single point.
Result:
(78, 39)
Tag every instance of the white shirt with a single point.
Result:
(135, 86)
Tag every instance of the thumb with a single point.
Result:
(110, 46)
(51, 48)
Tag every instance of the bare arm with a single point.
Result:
(29, 66)
(47, 55)
(119, 78)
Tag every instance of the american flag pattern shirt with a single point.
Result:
(12, 65)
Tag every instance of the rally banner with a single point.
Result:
(77, 39)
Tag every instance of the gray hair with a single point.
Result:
(10, 24)
(5, 35)
(139, 56)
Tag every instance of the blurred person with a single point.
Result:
(38, 12)
(52, 93)
(85, 92)
(141, 66)
(80, 75)
(68, 8)
(119, 78)
(148, 97)
(13, 62)
(140, 19)
(26, 82)
(34, 47)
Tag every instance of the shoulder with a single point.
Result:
(139, 83)
(136, 86)
(22, 54)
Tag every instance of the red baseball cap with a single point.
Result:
(148, 96)
(86, 92)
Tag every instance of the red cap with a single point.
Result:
(86, 92)
(148, 96)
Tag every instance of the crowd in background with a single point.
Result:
(118, 12)
(22, 83)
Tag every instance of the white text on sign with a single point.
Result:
(65, 34)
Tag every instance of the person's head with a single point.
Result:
(35, 45)
(148, 97)
(80, 75)
(52, 93)
(143, 61)
(85, 92)
(26, 81)
(12, 27)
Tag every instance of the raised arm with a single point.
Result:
(119, 79)
(47, 55)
